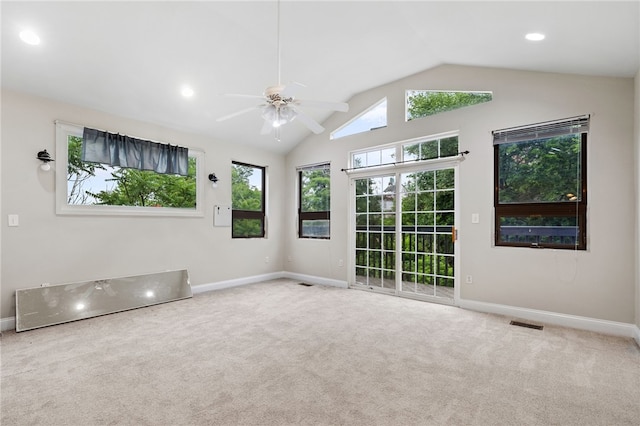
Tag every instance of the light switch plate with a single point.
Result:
(14, 220)
(475, 218)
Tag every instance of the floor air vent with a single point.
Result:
(526, 325)
(305, 284)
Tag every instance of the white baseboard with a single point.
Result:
(219, 285)
(311, 279)
(7, 324)
(564, 320)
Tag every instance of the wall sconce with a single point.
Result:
(214, 180)
(45, 158)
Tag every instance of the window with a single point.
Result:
(422, 103)
(439, 146)
(314, 201)
(373, 157)
(540, 182)
(248, 201)
(430, 149)
(95, 188)
(372, 118)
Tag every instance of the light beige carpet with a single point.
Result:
(278, 353)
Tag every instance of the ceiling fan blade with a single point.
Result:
(312, 124)
(237, 113)
(291, 89)
(334, 106)
(267, 127)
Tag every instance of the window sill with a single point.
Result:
(93, 210)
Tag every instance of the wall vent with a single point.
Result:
(526, 325)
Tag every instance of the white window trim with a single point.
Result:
(63, 131)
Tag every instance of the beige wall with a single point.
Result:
(636, 117)
(58, 249)
(598, 283)
(603, 282)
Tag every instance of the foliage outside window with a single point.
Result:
(541, 185)
(314, 213)
(248, 201)
(95, 188)
(422, 103)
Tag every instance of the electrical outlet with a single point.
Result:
(266, 259)
(341, 263)
(469, 279)
(289, 258)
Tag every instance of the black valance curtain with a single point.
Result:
(124, 151)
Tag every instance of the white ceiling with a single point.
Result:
(132, 58)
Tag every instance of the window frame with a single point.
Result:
(319, 215)
(399, 151)
(63, 131)
(577, 209)
(252, 214)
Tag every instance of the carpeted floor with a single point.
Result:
(278, 353)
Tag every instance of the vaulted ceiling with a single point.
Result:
(133, 58)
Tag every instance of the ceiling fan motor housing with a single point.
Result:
(272, 93)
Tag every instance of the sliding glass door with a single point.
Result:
(404, 233)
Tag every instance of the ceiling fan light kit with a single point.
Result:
(279, 106)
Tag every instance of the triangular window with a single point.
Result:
(422, 103)
(372, 118)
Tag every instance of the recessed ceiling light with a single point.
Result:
(187, 91)
(534, 36)
(30, 37)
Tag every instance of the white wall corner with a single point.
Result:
(553, 318)
(637, 179)
(636, 335)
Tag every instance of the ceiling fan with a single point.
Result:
(279, 105)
